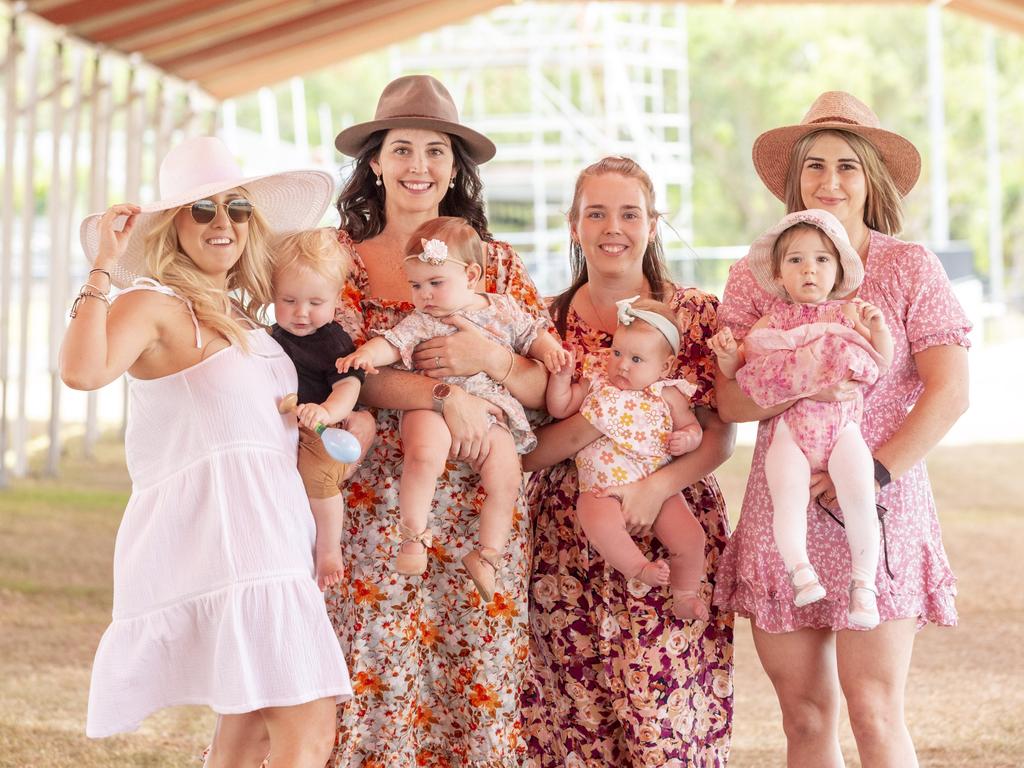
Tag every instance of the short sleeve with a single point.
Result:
(697, 317)
(339, 344)
(934, 315)
(744, 301)
(406, 334)
(523, 326)
(506, 274)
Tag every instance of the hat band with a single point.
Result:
(836, 119)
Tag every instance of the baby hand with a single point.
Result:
(357, 359)
(684, 440)
(560, 362)
(723, 344)
(311, 414)
(870, 315)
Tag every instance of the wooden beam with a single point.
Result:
(1008, 16)
(236, 78)
(89, 12)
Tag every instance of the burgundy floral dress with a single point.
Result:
(907, 283)
(615, 679)
(437, 675)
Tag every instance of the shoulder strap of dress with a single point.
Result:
(149, 284)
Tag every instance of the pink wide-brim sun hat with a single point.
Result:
(202, 167)
(838, 111)
(759, 258)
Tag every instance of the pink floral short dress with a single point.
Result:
(636, 426)
(804, 348)
(908, 284)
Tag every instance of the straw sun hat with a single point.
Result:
(202, 167)
(416, 101)
(759, 259)
(835, 110)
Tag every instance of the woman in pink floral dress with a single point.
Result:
(615, 679)
(838, 159)
(436, 672)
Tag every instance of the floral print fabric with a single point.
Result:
(909, 285)
(437, 675)
(616, 680)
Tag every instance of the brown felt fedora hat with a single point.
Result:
(836, 110)
(416, 101)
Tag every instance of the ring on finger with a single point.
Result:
(437, 362)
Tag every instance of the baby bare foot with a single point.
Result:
(329, 568)
(686, 605)
(655, 573)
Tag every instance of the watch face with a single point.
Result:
(441, 391)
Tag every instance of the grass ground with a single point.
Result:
(56, 543)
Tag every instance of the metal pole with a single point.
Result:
(994, 174)
(299, 122)
(28, 213)
(937, 129)
(6, 270)
(58, 258)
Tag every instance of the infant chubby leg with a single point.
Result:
(683, 536)
(425, 444)
(789, 481)
(501, 476)
(852, 471)
(601, 518)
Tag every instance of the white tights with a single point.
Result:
(852, 471)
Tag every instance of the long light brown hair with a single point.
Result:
(248, 281)
(654, 267)
(883, 209)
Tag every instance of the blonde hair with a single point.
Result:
(458, 234)
(659, 308)
(248, 279)
(316, 250)
(787, 235)
(883, 208)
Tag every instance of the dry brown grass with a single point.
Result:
(56, 545)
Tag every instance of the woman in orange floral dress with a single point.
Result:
(615, 679)
(436, 673)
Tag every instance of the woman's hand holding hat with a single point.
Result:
(114, 240)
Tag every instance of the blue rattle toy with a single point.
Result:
(341, 444)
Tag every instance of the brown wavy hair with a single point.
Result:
(654, 267)
(361, 202)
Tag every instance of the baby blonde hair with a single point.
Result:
(316, 250)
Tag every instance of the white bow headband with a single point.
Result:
(626, 315)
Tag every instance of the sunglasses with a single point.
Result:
(204, 211)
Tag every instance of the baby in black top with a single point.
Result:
(310, 269)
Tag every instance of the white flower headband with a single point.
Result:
(435, 253)
(626, 315)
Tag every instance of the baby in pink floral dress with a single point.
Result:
(645, 420)
(809, 343)
(444, 262)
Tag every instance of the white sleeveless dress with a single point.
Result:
(214, 597)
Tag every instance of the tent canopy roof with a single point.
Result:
(231, 47)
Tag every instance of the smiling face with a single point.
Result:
(832, 178)
(442, 289)
(809, 265)
(640, 356)
(415, 167)
(304, 300)
(612, 224)
(214, 247)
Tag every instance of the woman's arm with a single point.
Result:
(465, 414)
(642, 500)
(944, 374)
(735, 406)
(559, 441)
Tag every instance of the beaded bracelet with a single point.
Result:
(84, 294)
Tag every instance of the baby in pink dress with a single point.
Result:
(444, 262)
(807, 344)
(645, 420)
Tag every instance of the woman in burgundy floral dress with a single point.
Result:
(840, 160)
(615, 679)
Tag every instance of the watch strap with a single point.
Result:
(882, 476)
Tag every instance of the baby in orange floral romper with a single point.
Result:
(645, 420)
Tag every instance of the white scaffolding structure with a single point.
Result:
(558, 87)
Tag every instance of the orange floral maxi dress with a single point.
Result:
(436, 674)
(615, 679)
